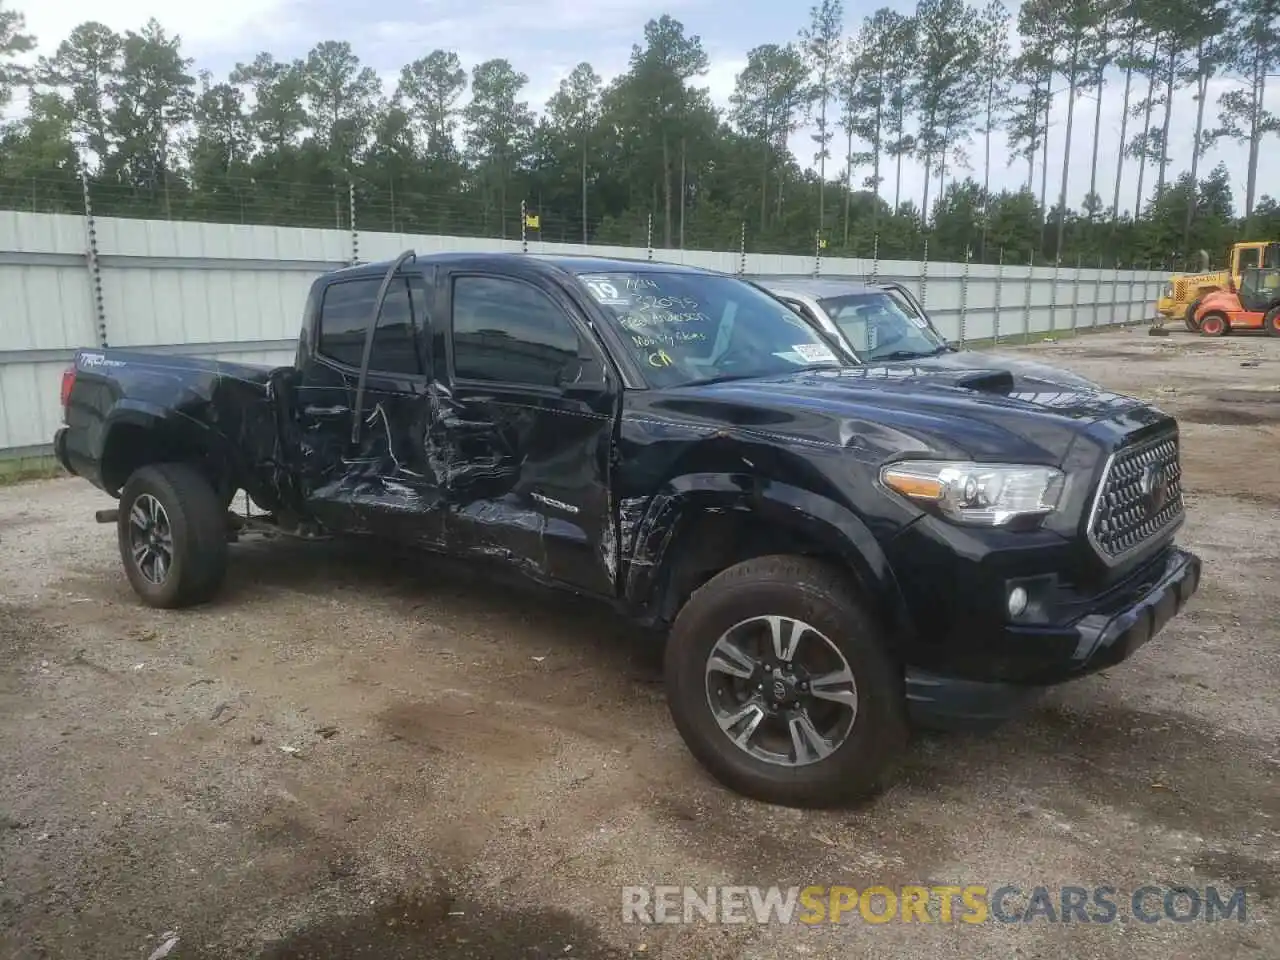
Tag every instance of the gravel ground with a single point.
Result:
(356, 753)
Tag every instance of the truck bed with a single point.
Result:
(230, 410)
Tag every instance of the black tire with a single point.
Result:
(1214, 325)
(823, 597)
(1272, 321)
(1189, 318)
(197, 525)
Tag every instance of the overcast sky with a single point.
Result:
(546, 38)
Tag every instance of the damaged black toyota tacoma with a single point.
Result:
(834, 548)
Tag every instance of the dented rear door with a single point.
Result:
(379, 478)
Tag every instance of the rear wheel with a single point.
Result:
(780, 684)
(1213, 325)
(1272, 321)
(1189, 318)
(172, 531)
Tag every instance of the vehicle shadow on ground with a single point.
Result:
(468, 594)
(1157, 769)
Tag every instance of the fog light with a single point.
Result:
(1017, 601)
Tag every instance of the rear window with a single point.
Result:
(398, 342)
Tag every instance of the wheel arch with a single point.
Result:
(1217, 301)
(701, 524)
(137, 434)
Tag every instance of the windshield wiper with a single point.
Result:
(911, 354)
(726, 377)
(721, 378)
(902, 355)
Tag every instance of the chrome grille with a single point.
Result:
(1139, 496)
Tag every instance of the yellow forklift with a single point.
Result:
(1184, 291)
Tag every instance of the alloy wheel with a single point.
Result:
(150, 538)
(781, 690)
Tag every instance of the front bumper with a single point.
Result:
(1167, 307)
(1037, 657)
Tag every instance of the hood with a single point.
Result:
(965, 404)
(1027, 372)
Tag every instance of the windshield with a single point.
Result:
(691, 327)
(879, 325)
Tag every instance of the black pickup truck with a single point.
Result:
(832, 548)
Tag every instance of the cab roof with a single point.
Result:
(574, 264)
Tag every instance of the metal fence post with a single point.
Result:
(1053, 295)
(1146, 289)
(1128, 310)
(964, 296)
(817, 252)
(524, 223)
(1026, 317)
(351, 211)
(995, 323)
(924, 274)
(1075, 292)
(91, 261)
(1097, 292)
(875, 258)
(742, 247)
(1115, 295)
(649, 237)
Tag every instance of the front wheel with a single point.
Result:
(1189, 318)
(1272, 321)
(780, 684)
(173, 536)
(1213, 325)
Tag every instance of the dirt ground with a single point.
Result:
(361, 754)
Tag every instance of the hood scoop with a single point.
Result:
(987, 381)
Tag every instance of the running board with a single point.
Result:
(107, 516)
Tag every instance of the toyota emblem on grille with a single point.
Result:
(1155, 487)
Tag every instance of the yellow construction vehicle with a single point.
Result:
(1184, 291)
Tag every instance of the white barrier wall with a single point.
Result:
(236, 293)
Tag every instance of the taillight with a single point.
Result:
(68, 381)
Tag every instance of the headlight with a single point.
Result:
(984, 494)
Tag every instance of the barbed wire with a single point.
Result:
(472, 213)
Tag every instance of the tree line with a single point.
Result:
(648, 158)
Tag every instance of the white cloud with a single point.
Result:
(204, 27)
(516, 27)
(721, 77)
(546, 38)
